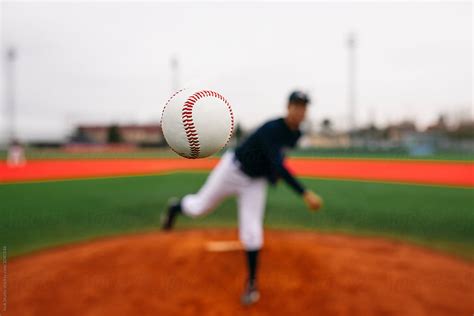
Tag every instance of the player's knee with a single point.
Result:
(192, 206)
(252, 239)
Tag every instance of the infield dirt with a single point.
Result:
(301, 273)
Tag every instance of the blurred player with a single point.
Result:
(245, 174)
(16, 154)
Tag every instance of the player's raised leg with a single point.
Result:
(218, 186)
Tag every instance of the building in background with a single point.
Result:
(398, 132)
(138, 135)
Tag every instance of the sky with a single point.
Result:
(110, 62)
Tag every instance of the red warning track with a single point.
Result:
(421, 172)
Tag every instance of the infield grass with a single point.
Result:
(46, 214)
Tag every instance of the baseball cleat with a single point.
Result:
(251, 295)
(168, 217)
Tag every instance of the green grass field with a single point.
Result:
(46, 214)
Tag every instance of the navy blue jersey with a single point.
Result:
(261, 154)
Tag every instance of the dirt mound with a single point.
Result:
(301, 274)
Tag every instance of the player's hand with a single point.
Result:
(313, 201)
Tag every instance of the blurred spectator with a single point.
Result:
(16, 154)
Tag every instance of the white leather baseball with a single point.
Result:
(197, 123)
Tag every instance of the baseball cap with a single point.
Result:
(299, 97)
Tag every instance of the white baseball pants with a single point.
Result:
(228, 180)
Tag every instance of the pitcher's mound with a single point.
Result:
(179, 274)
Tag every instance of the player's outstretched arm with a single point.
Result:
(312, 200)
(275, 158)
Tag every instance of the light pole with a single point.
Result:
(10, 58)
(174, 74)
(351, 97)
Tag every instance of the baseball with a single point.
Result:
(197, 123)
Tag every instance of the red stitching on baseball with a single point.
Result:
(167, 102)
(162, 112)
(190, 128)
